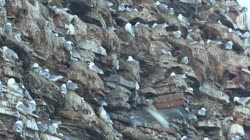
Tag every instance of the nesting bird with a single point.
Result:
(162, 26)
(137, 86)
(14, 86)
(8, 27)
(185, 60)
(63, 89)
(93, 67)
(121, 7)
(131, 59)
(138, 24)
(109, 4)
(32, 105)
(133, 122)
(71, 85)
(36, 68)
(103, 114)
(236, 137)
(229, 45)
(215, 42)
(42, 126)
(18, 37)
(161, 7)
(54, 78)
(18, 126)
(190, 115)
(45, 73)
(177, 34)
(202, 112)
(243, 100)
(166, 52)
(172, 74)
(9, 54)
(129, 28)
(22, 108)
(171, 11)
(53, 128)
(183, 20)
(68, 46)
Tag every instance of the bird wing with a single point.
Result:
(12, 53)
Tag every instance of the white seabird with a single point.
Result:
(183, 20)
(133, 122)
(45, 73)
(166, 52)
(18, 126)
(93, 67)
(68, 46)
(18, 37)
(177, 34)
(129, 28)
(161, 7)
(54, 78)
(130, 59)
(103, 115)
(172, 74)
(71, 85)
(162, 26)
(8, 27)
(185, 60)
(35, 67)
(215, 42)
(63, 89)
(245, 101)
(53, 128)
(14, 86)
(109, 4)
(22, 108)
(229, 45)
(9, 54)
(121, 7)
(171, 11)
(202, 111)
(32, 105)
(42, 126)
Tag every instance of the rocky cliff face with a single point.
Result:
(138, 69)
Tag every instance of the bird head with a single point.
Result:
(91, 64)
(172, 74)
(236, 99)
(35, 65)
(63, 85)
(69, 42)
(19, 122)
(204, 109)
(5, 48)
(9, 24)
(69, 81)
(130, 58)
(11, 81)
(46, 70)
(32, 102)
(157, 3)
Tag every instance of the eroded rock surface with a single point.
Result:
(141, 82)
